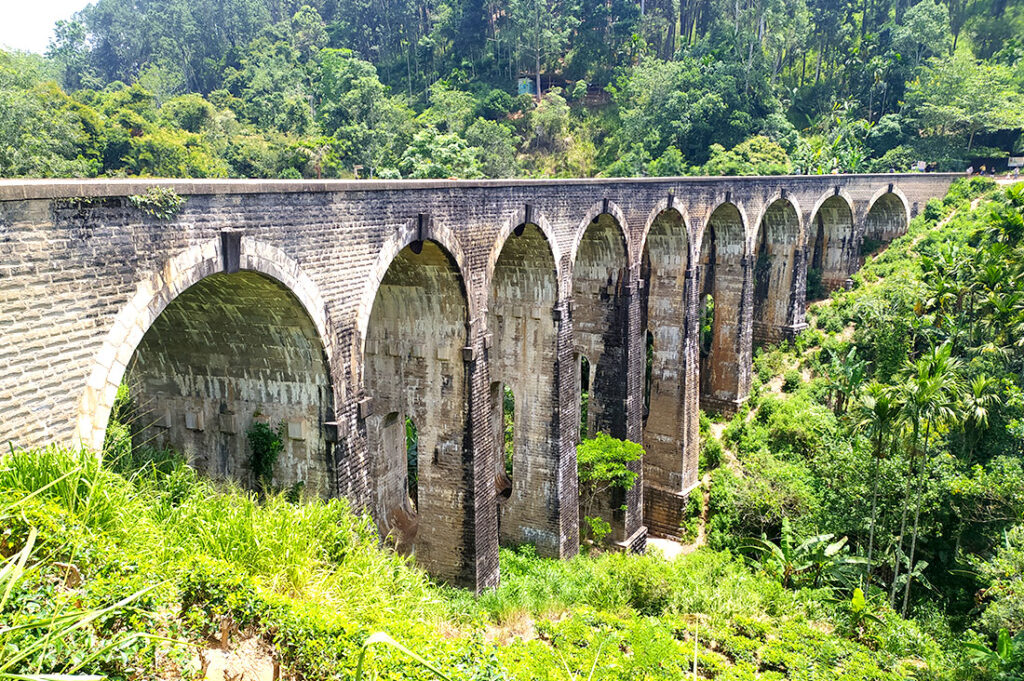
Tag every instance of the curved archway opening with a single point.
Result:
(774, 272)
(600, 322)
(829, 248)
(586, 377)
(523, 360)
(414, 373)
(886, 220)
(231, 351)
(665, 295)
(721, 282)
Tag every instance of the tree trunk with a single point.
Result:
(917, 518)
(536, 43)
(874, 509)
(903, 522)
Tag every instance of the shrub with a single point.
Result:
(710, 453)
(1004, 598)
(792, 380)
(933, 210)
(265, 444)
(162, 203)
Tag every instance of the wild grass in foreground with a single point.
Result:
(128, 575)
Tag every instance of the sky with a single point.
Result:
(28, 24)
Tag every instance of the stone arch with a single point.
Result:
(665, 204)
(666, 271)
(830, 244)
(523, 356)
(594, 215)
(153, 295)
(520, 217)
(413, 230)
(887, 216)
(839, 194)
(775, 270)
(724, 277)
(413, 366)
(770, 205)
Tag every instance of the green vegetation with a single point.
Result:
(906, 441)
(162, 203)
(106, 557)
(342, 88)
(607, 469)
(265, 445)
(866, 523)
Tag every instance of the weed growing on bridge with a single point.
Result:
(162, 203)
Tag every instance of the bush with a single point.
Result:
(1004, 598)
(265, 445)
(791, 381)
(710, 453)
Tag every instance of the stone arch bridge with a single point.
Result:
(363, 316)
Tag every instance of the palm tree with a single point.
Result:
(980, 396)
(878, 412)
(845, 377)
(930, 393)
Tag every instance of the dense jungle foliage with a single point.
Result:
(432, 88)
(863, 519)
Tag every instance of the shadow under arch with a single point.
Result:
(830, 244)
(779, 235)
(724, 285)
(524, 361)
(152, 297)
(414, 371)
(406, 235)
(887, 216)
(513, 226)
(607, 212)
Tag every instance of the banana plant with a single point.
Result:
(1006, 659)
(810, 562)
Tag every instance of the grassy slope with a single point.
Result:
(311, 581)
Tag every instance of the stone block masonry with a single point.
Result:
(381, 322)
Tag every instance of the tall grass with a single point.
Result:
(165, 513)
(709, 583)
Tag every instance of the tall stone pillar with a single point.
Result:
(728, 384)
(480, 542)
(673, 451)
(633, 535)
(565, 432)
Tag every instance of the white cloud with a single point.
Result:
(28, 24)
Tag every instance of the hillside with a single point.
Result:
(468, 88)
(886, 440)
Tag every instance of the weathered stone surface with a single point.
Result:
(343, 308)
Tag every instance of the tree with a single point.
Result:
(495, 145)
(755, 156)
(69, 50)
(604, 464)
(924, 30)
(433, 154)
(878, 411)
(928, 395)
(960, 95)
